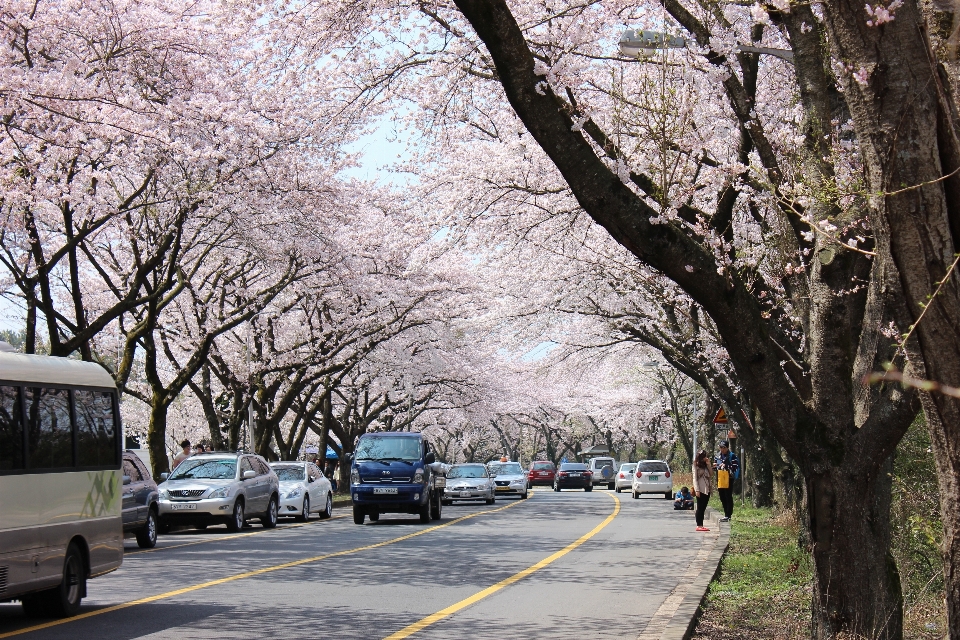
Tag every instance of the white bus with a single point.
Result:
(60, 481)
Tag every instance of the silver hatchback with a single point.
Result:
(219, 488)
(469, 482)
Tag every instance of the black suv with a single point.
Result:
(140, 501)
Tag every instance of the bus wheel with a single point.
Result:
(62, 601)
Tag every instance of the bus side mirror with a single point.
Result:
(429, 458)
(126, 479)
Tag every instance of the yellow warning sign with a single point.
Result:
(721, 417)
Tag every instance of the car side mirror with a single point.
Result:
(249, 473)
(493, 475)
(126, 479)
(429, 458)
(310, 479)
(164, 476)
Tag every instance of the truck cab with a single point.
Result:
(395, 473)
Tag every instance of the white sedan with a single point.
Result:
(625, 476)
(303, 490)
(652, 476)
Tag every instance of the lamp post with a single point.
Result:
(634, 42)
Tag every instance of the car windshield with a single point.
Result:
(505, 469)
(205, 469)
(602, 463)
(289, 474)
(388, 448)
(628, 467)
(570, 466)
(473, 471)
(543, 466)
(652, 467)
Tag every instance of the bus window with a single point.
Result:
(11, 429)
(50, 436)
(96, 432)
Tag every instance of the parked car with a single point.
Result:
(141, 506)
(625, 476)
(509, 478)
(303, 490)
(652, 476)
(604, 470)
(573, 475)
(395, 473)
(469, 482)
(541, 472)
(219, 488)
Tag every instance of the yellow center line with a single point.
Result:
(250, 574)
(406, 632)
(220, 538)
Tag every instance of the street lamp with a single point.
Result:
(634, 42)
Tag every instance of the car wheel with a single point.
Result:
(147, 536)
(611, 485)
(328, 509)
(425, 513)
(305, 512)
(491, 500)
(667, 494)
(236, 521)
(617, 489)
(436, 508)
(269, 521)
(523, 496)
(589, 487)
(636, 495)
(62, 601)
(374, 516)
(358, 515)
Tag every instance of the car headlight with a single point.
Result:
(354, 476)
(294, 493)
(219, 493)
(164, 494)
(418, 477)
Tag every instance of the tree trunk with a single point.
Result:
(861, 597)
(157, 436)
(759, 478)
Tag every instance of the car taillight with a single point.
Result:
(667, 474)
(563, 474)
(639, 473)
(588, 473)
(622, 476)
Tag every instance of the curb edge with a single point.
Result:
(685, 619)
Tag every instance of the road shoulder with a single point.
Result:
(677, 620)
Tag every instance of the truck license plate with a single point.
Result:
(188, 506)
(389, 490)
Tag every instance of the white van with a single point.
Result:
(60, 481)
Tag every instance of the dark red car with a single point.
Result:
(541, 472)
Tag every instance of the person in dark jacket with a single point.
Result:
(727, 461)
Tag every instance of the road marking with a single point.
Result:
(220, 538)
(250, 574)
(406, 632)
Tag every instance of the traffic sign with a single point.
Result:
(721, 417)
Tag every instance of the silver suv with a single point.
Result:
(604, 471)
(219, 488)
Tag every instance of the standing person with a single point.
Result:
(727, 462)
(183, 455)
(702, 483)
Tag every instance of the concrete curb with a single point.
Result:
(684, 620)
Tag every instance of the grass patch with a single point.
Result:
(763, 590)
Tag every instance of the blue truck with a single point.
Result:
(395, 473)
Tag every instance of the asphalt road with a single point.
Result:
(567, 565)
